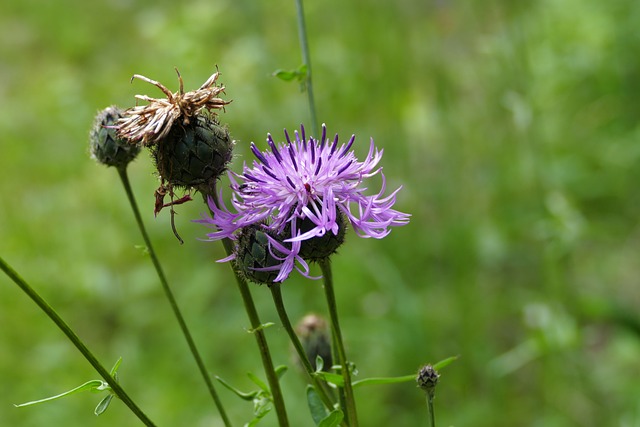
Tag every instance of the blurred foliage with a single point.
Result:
(513, 127)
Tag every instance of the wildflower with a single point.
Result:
(306, 190)
(427, 379)
(105, 146)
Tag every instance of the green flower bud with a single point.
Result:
(104, 145)
(193, 155)
(253, 252)
(427, 379)
(319, 248)
(314, 337)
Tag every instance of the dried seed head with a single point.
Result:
(148, 124)
(104, 144)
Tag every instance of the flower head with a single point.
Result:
(303, 190)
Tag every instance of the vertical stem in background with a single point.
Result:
(51, 313)
(306, 58)
(172, 301)
(258, 332)
(351, 414)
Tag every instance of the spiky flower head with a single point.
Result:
(303, 190)
(104, 144)
(148, 124)
(194, 155)
(427, 379)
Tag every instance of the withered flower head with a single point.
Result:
(147, 124)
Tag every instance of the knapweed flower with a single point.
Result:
(305, 192)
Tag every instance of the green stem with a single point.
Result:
(306, 58)
(51, 313)
(432, 416)
(276, 292)
(258, 332)
(172, 301)
(352, 417)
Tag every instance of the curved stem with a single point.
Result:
(306, 58)
(172, 301)
(258, 332)
(352, 417)
(62, 325)
(284, 318)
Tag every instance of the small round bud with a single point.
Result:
(314, 337)
(193, 155)
(427, 379)
(104, 145)
(253, 253)
(319, 248)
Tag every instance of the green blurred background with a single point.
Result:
(512, 125)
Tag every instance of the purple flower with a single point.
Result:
(303, 189)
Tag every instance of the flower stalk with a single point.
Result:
(306, 58)
(257, 330)
(77, 342)
(122, 172)
(350, 403)
(276, 293)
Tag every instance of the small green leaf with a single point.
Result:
(285, 75)
(257, 381)
(318, 411)
(334, 379)
(446, 362)
(114, 370)
(260, 327)
(333, 419)
(280, 371)
(103, 405)
(89, 385)
(242, 395)
(319, 363)
(299, 74)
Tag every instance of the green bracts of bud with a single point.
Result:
(104, 145)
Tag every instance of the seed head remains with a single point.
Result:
(148, 124)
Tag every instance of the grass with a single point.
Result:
(513, 127)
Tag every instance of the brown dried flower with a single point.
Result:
(147, 124)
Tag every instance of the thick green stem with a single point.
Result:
(276, 292)
(172, 301)
(306, 58)
(51, 313)
(352, 417)
(257, 330)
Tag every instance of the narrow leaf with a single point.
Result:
(114, 370)
(244, 396)
(316, 407)
(446, 362)
(89, 385)
(386, 380)
(103, 405)
(333, 419)
(257, 381)
(280, 371)
(334, 379)
(260, 327)
(285, 75)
